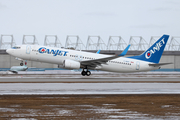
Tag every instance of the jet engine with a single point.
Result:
(71, 64)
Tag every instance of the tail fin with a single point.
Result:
(154, 53)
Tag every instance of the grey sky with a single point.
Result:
(89, 17)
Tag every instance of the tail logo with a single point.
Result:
(157, 47)
(148, 54)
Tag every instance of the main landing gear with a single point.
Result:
(88, 73)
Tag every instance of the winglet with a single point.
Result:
(98, 52)
(125, 51)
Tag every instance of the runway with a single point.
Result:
(81, 79)
(88, 88)
(94, 97)
(95, 84)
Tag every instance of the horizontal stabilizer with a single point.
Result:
(159, 64)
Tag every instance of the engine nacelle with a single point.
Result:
(71, 64)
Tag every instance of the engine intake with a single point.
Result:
(71, 64)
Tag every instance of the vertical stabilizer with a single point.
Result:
(154, 53)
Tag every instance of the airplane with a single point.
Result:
(15, 69)
(72, 59)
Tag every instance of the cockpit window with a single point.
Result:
(16, 47)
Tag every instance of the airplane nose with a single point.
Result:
(8, 51)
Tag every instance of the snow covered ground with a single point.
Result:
(88, 88)
(106, 111)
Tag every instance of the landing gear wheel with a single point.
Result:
(83, 73)
(21, 64)
(88, 73)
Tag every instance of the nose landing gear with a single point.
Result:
(88, 73)
(21, 64)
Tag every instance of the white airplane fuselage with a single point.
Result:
(59, 55)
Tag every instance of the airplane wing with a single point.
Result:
(159, 64)
(98, 62)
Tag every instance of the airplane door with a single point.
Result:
(28, 49)
(137, 65)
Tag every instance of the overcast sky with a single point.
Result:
(106, 18)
